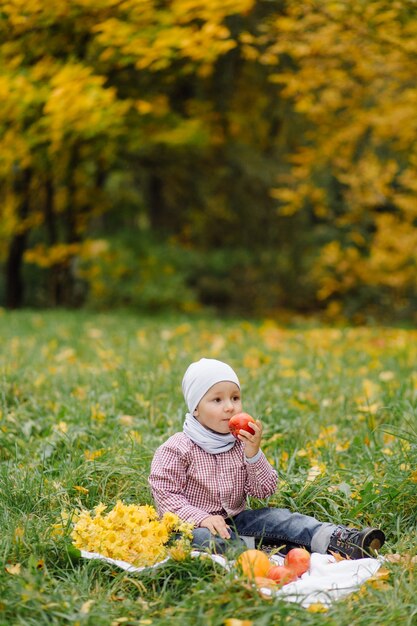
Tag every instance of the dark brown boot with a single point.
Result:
(354, 543)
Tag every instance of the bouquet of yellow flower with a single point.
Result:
(130, 533)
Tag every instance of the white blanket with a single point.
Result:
(326, 581)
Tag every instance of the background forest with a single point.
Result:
(251, 156)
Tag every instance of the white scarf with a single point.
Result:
(208, 440)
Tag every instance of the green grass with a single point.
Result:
(84, 401)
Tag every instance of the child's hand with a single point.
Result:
(251, 442)
(216, 525)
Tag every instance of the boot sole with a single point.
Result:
(373, 541)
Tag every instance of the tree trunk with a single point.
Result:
(13, 269)
(156, 202)
(54, 280)
(65, 280)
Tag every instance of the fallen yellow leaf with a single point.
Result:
(401, 559)
(317, 607)
(339, 557)
(80, 489)
(377, 583)
(126, 420)
(86, 606)
(383, 574)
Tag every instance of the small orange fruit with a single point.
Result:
(281, 574)
(261, 581)
(253, 563)
(298, 559)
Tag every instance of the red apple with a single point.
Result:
(281, 574)
(298, 560)
(241, 421)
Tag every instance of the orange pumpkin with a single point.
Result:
(253, 563)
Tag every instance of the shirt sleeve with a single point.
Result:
(167, 481)
(262, 478)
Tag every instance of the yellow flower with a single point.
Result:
(170, 520)
(98, 510)
(180, 550)
(128, 532)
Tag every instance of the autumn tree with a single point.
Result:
(89, 89)
(348, 69)
(59, 124)
(272, 143)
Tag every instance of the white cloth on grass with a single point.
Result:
(326, 581)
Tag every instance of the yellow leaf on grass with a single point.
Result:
(80, 489)
(379, 579)
(382, 574)
(317, 607)
(376, 583)
(126, 420)
(314, 472)
(86, 606)
(61, 427)
(18, 533)
(91, 455)
(237, 622)
(13, 569)
(338, 557)
(402, 559)
(369, 408)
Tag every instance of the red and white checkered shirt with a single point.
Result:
(194, 484)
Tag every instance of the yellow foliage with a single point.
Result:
(152, 37)
(354, 81)
(79, 102)
(346, 69)
(55, 95)
(54, 255)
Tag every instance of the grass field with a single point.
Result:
(85, 400)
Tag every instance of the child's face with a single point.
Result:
(218, 405)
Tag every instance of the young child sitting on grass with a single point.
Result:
(204, 475)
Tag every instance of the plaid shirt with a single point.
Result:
(194, 484)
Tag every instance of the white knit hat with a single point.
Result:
(201, 376)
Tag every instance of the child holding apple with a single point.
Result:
(205, 473)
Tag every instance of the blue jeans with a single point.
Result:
(269, 526)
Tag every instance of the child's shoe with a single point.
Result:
(356, 544)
